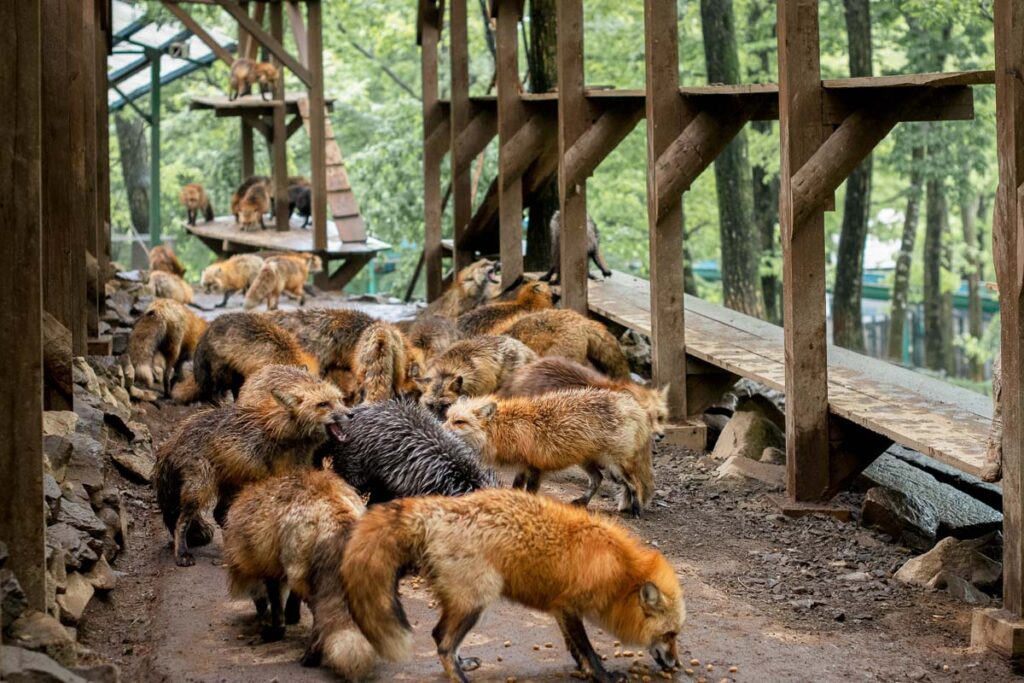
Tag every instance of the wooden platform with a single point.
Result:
(938, 419)
(250, 105)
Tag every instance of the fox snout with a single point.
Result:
(336, 427)
(658, 436)
(664, 652)
(439, 409)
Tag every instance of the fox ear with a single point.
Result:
(650, 596)
(287, 401)
(456, 384)
(663, 392)
(487, 410)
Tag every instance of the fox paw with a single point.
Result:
(270, 634)
(469, 663)
(185, 560)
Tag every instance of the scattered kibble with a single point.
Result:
(549, 645)
(945, 667)
(536, 647)
(646, 679)
(616, 643)
(710, 667)
(604, 658)
(510, 679)
(688, 672)
(733, 669)
(627, 653)
(724, 680)
(499, 658)
(694, 662)
(508, 643)
(666, 675)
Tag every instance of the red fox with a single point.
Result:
(385, 365)
(282, 275)
(532, 296)
(555, 373)
(531, 550)
(432, 334)
(571, 335)
(245, 73)
(162, 257)
(167, 329)
(193, 197)
(233, 275)
(287, 533)
(169, 286)
(251, 207)
(472, 367)
(599, 430)
(472, 285)
(281, 417)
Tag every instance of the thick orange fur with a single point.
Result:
(282, 275)
(571, 335)
(289, 530)
(235, 274)
(597, 429)
(531, 550)
(168, 329)
(194, 198)
(385, 364)
(555, 373)
(245, 73)
(473, 284)
(162, 257)
(487, 319)
(432, 334)
(472, 367)
(251, 206)
(169, 286)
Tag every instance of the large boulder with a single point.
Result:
(972, 561)
(911, 519)
(747, 435)
(18, 665)
(760, 404)
(740, 468)
(42, 633)
(76, 596)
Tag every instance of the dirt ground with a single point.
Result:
(779, 599)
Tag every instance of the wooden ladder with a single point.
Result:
(341, 200)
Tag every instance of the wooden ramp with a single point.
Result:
(340, 198)
(940, 420)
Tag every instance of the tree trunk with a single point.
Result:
(543, 76)
(901, 281)
(131, 140)
(741, 282)
(969, 201)
(847, 325)
(935, 328)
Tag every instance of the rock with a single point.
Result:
(114, 414)
(75, 597)
(637, 349)
(910, 518)
(90, 417)
(856, 577)
(13, 601)
(747, 435)
(80, 549)
(101, 576)
(759, 404)
(140, 432)
(57, 451)
(42, 633)
(135, 463)
(960, 589)
(52, 495)
(82, 517)
(59, 422)
(143, 394)
(119, 339)
(99, 673)
(18, 665)
(773, 456)
(968, 560)
(738, 467)
(86, 463)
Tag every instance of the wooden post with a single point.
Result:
(248, 150)
(317, 125)
(279, 143)
(512, 115)
(433, 119)
(21, 375)
(573, 118)
(665, 122)
(77, 171)
(462, 199)
(803, 249)
(1003, 630)
(90, 219)
(102, 36)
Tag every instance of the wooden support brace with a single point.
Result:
(192, 25)
(525, 145)
(266, 40)
(475, 137)
(598, 140)
(298, 31)
(257, 123)
(293, 126)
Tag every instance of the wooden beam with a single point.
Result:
(520, 150)
(460, 116)
(258, 11)
(268, 41)
(475, 137)
(665, 121)
(598, 140)
(512, 117)
(192, 25)
(21, 375)
(803, 248)
(279, 144)
(298, 31)
(294, 126)
(434, 119)
(317, 124)
(346, 271)
(573, 120)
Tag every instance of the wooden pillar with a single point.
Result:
(21, 374)
(102, 36)
(248, 151)
(512, 114)
(573, 119)
(665, 122)
(317, 124)
(91, 213)
(77, 171)
(462, 200)
(803, 249)
(433, 120)
(279, 144)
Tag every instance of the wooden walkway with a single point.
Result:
(940, 420)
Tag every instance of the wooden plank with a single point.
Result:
(279, 140)
(337, 179)
(803, 247)
(512, 115)
(268, 41)
(573, 119)
(1008, 254)
(21, 375)
(192, 25)
(665, 122)
(434, 118)
(317, 123)
(224, 230)
(298, 31)
(460, 116)
(250, 104)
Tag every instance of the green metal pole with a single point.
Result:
(154, 147)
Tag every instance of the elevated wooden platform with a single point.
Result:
(224, 238)
(251, 105)
(938, 419)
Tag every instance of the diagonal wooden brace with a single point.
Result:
(475, 137)
(525, 146)
(598, 140)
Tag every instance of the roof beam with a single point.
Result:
(267, 41)
(192, 25)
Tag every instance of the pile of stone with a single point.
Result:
(127, 297)
(85, 454)
(751, 444)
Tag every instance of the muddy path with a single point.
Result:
(770, 596)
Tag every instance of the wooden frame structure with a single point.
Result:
(827, 128)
